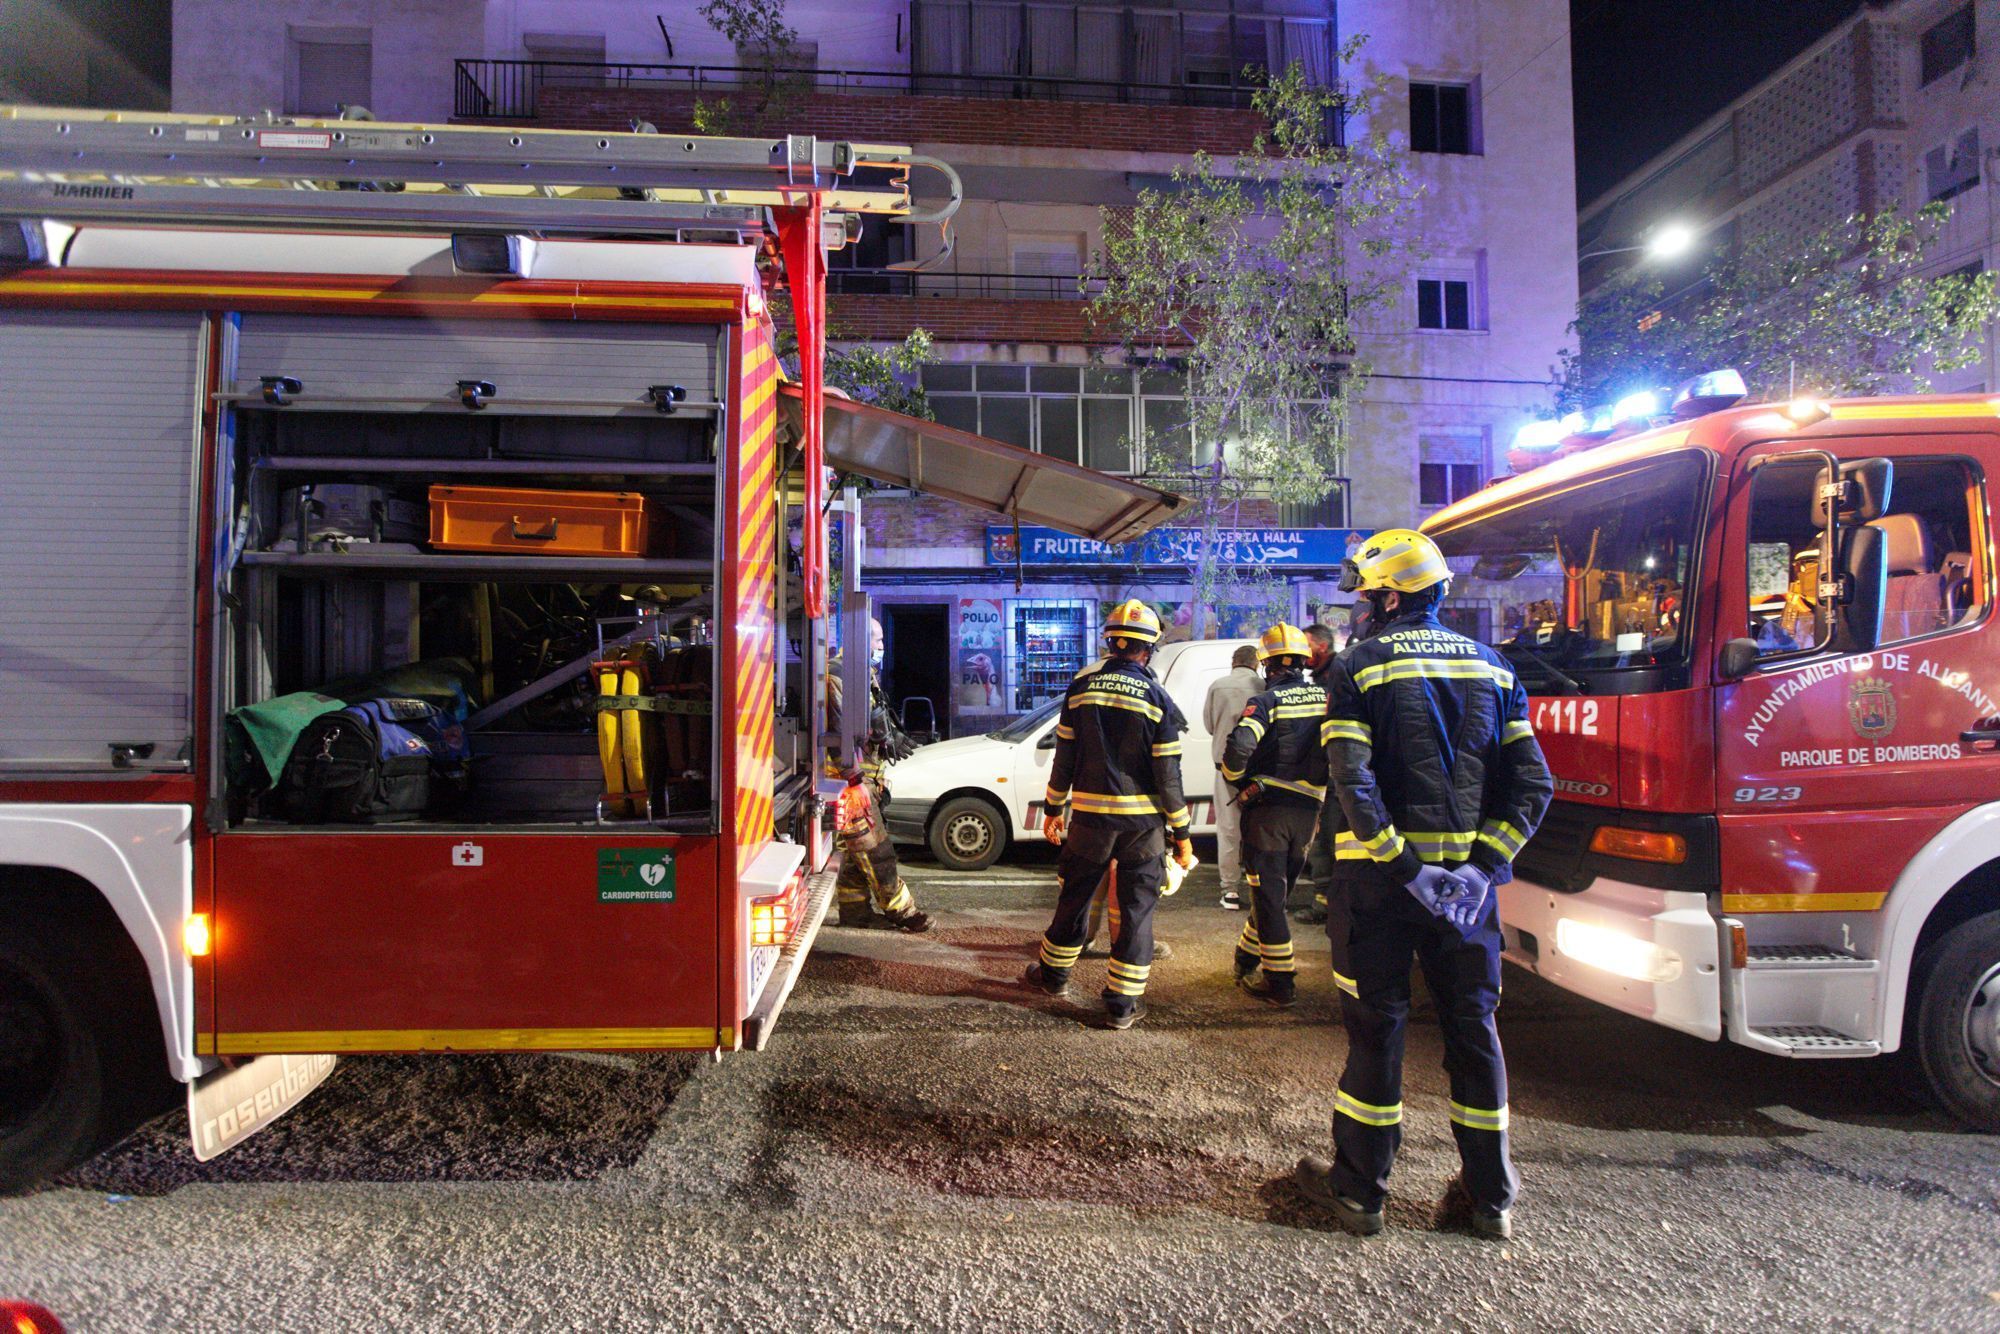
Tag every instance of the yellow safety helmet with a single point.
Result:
(1134, 620)
(1401, 559)
(1283, 640)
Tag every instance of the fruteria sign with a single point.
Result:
(1301, 548)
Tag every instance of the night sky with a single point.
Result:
(1648, 71)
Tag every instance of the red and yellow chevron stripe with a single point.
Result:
(753, 559)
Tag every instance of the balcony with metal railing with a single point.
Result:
(961, 49)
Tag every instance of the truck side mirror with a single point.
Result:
(1739, 657)
(1047, 741)
(1864, 566)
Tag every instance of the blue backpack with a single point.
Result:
(371, 763)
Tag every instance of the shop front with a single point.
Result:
(1022, 608)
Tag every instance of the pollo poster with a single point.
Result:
(979, 652)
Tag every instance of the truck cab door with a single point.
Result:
(1837, 763)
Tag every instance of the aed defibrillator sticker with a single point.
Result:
(635, 875)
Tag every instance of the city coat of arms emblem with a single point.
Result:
(1871, 707)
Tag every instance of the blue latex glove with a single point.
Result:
(1464, 911)
(1434, 887)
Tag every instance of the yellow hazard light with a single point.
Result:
(1640, 845)
(1806, 411)
(195, 935)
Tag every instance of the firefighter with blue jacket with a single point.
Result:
(1276, 757)
(1118, 768)
(1439, 783)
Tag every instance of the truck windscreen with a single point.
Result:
(1591, 576)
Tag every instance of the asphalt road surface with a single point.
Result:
(927, 1145)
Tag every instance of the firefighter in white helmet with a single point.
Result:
(1118, 768)
(1439, 782)
(1276, 758)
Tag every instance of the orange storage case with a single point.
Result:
(539, 523)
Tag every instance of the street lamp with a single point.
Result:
(1670, 240)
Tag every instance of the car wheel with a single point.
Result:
(968, 834)
(1958, 1022)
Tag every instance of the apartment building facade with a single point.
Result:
(1897, 107)
(1051, 113)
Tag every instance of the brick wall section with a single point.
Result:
(901, 119)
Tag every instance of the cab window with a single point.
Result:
(1929, 534)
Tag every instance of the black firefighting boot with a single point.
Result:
(910, 920)
(1246, 963)
(1314, 1179)
(858, 913)
(1044, 981)
(1124, 1019)
(1279, 989)
(1456, 1210)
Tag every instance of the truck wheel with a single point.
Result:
(76, 1068)
(968, 834)
(1958, 1022)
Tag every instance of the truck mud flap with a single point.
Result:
(785, 973)
(227, 1107)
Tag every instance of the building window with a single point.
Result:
(1449, 469)
(1952, 168)
(1947, 45)
(1444, 303)
(1441, 118)
(1329, 511)
(1046, 266)
(1446, 483)
(331, 69)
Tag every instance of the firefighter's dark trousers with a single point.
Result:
(1276, 837)
(1087, 853)
(1319, 857)
(1375, 929)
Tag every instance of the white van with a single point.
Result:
(964, 798)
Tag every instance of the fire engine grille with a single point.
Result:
(1554, 856)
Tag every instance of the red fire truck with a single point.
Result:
(1762, 655)
(412, 594)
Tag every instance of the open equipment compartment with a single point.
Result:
(338, 432)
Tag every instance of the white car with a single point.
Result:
(965, 798)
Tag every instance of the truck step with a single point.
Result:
(1806, 956)
(1815, 1040)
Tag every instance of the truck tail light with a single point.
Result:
(196, 937)
(1640, 845)
(773, 916)
(27, 1318)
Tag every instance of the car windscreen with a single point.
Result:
(1591, 576)
(1029, 723)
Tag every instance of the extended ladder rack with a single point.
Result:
(138, 167)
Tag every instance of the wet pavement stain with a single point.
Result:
(996, 1154)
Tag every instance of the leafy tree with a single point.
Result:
(1849, 310)
(1255, 275)
(757, 29)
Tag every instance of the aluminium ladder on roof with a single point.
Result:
(159, 168)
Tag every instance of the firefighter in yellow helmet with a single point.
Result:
(1118, 768)
(1439, 783)
(1277, 760)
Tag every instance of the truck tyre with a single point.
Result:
(79, 1066)
(1958, 1021)
(968, 834)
